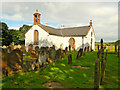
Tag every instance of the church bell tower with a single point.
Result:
(36, 18)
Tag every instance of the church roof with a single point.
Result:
(73, 31)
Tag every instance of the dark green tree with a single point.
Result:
(6, 38)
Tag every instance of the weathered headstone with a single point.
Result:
(79, 53)
(4, 61)
(23, 49)
(9, 49)
(69, 59)
(63, 54)
(98, 47)
(97, 73)
(118, 50)
(30, 48)
(88, 49)
(58, 54)
(84, 52)
(69, 48)
(66, 49)
(52, 54)
(36, 48)
(33, 53)
(15, 60)
(42, 59)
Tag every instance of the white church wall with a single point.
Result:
(88, 39)
(48, 40)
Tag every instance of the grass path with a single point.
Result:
(67, 76)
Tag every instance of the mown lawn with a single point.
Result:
(67, 76)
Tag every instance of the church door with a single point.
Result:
(72, 43)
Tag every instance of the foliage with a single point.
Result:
(17, 36)
(6, 37)
(67, 76)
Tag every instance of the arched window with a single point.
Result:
(36, 35)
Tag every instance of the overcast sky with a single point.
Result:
(70, 14)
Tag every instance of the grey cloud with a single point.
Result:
(70, 14)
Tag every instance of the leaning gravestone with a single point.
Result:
(66, 49)
(115, 48)
(84, 52)
(88, 49)
(70, 59)
(63, 54)
(52, 54)
(36, 48)
(15, 60)
(33, 53)
(58, 54)
(79, 53)
(30, 48)
(69, 48)
(4, 61)
(23, 49)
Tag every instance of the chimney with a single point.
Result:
(90, 22)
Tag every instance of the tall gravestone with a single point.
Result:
(66, 49)
(30, 48)
(58, 54)
(15, 60)
(69, 59)
(63, 54)
(69, 48)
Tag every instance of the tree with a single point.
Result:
(6, 38)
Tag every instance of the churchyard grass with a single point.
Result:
(63, 73)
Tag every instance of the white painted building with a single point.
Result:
(44, 35)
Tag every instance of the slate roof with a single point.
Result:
(73, 31)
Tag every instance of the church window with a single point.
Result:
(36, 37)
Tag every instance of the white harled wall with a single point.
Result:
(48, 40)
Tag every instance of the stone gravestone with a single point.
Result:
(9, 49)
(42, 59)
(69, 48)
(79, 53)
(66, 49)
(98, 47)
(30, 48)
(88, 49)
(36, 48)
(52, 54)
(23, 49)
(33, 53)
(63, 54)
(15, 60)
(58, 54)
(4, 61)
(69, 59)
(84, 52)
(12, 47)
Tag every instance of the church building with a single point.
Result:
(45, 36)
